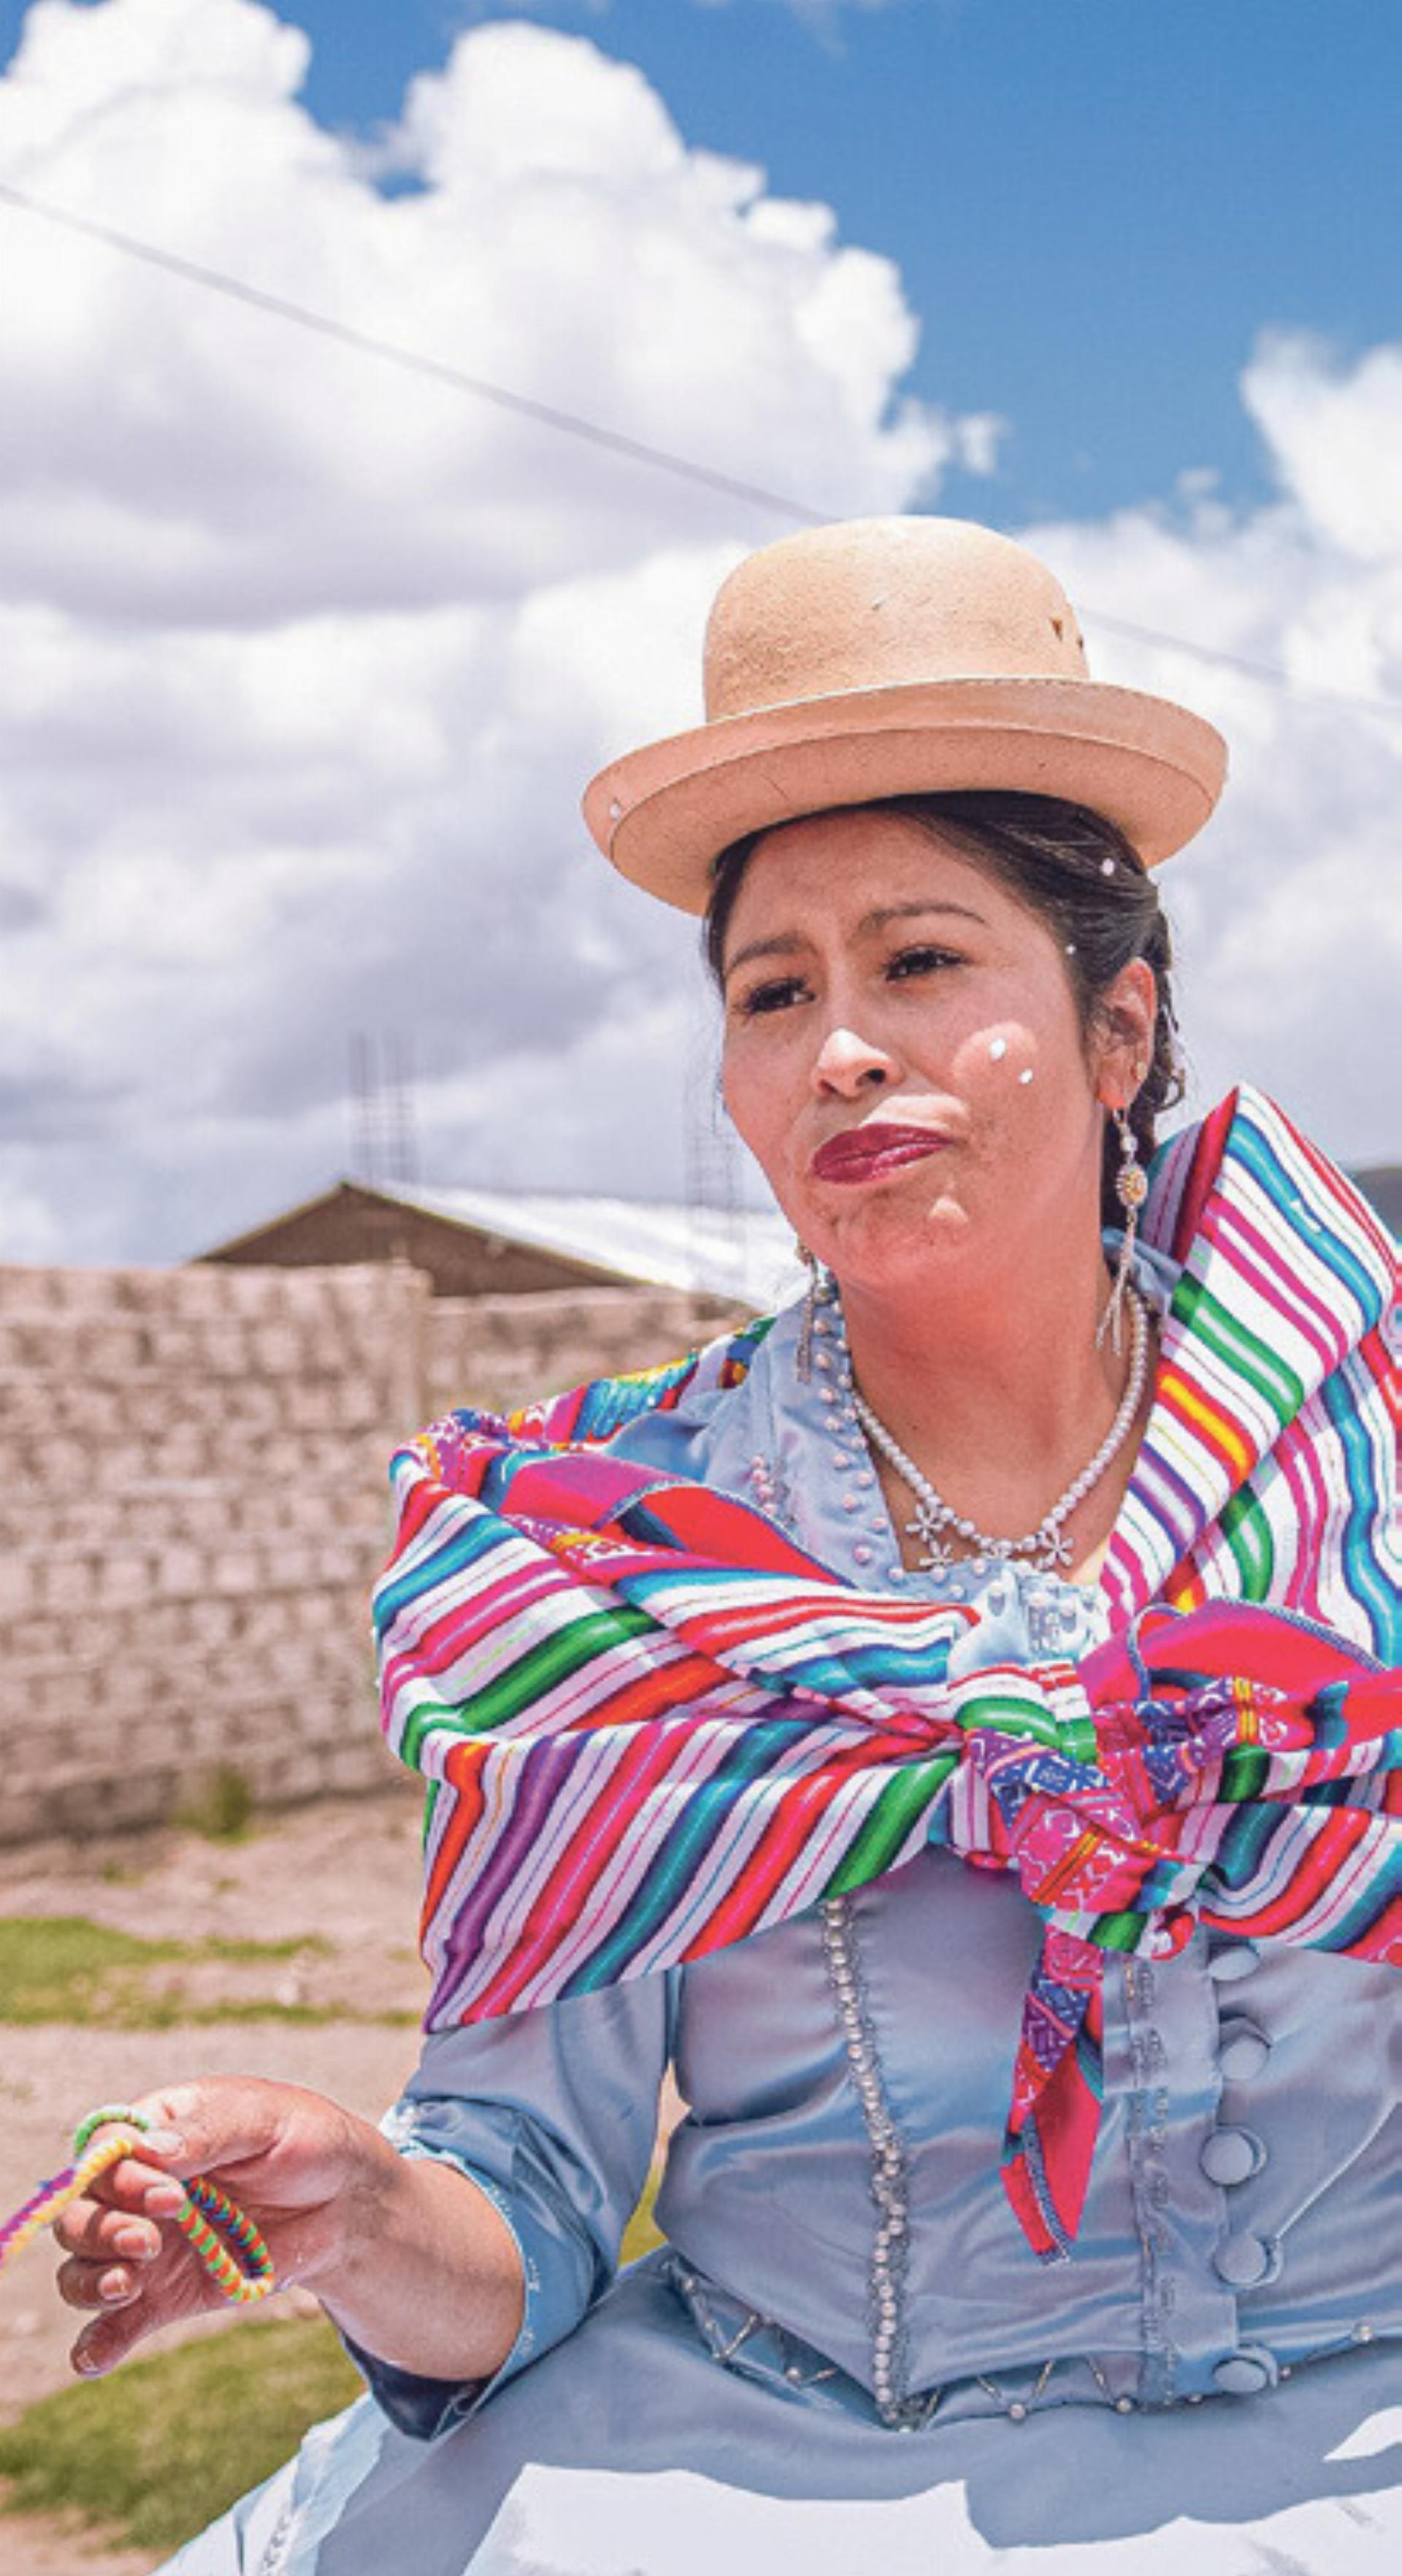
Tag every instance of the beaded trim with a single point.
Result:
(274, 2557)
(890, 2192)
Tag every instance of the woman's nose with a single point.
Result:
(848, 1064)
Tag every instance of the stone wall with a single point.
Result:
(501, 1351)
(193, 1507)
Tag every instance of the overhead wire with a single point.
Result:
(573, 424)
(639, 450)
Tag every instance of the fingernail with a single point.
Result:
(87, 2361)
(163, 2199)
(114, 2285)
(135, 2242)
(163, 2142)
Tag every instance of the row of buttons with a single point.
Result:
(1231, 2156)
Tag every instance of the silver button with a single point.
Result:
(1242, 2050)
(1231, 2156)
(1235, 1960)
(1244, 2372)
(1018, 2411)
(1242, 2259)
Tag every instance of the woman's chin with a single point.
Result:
(885, 1245)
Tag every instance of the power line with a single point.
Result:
(1273, 673)
(638, 451)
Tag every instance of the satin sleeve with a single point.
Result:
(553, 2114)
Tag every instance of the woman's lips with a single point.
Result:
(866, 1153)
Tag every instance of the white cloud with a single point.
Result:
(303, 660)
(1289, 907)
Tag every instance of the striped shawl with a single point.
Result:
(651, 1726)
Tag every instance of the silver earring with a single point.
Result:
(804, 1357)
(1131, 1189)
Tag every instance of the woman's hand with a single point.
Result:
(297, 2165)
(408, 2255)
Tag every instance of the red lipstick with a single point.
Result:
(869, 1153)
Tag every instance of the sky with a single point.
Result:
(304, 659)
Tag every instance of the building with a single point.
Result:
(494, 1243)
(1381, 1185)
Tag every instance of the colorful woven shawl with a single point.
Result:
(652, 1726)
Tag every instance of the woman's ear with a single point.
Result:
(1126, 1016)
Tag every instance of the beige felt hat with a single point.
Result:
(896, 657)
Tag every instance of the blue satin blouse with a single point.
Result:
(832, 2191)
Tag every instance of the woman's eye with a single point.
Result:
(772, 997)
(919, 961)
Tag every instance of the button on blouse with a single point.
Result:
(1242, 2050)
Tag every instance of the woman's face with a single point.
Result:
(903, 1054)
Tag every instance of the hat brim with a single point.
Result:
(663, 815)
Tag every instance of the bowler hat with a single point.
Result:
(896, 657)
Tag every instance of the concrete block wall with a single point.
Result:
(502, 1351)
(193, 1507)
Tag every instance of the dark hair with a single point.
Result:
(1080, 876)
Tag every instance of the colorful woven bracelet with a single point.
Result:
(227, 2243)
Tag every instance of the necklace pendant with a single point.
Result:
(937, 1559)
(1053, 1549)
(938, 1554)
(929, 1524)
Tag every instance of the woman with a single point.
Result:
(982, 1554)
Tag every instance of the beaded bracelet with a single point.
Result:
(226, 2241)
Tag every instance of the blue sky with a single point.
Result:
(1097, 206)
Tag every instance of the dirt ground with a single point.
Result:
(346, 1871)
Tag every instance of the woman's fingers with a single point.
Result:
(128, 2300)
(89, 2228)
(97, 2284)
(283, 2138)
(130, 2195)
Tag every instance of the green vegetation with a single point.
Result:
(642, 2231)
(63, 1967)
(152, 2454)
(218, 1805)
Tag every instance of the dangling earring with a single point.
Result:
(804, 1357)
(1131, 1189)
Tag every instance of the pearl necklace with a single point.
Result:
(1047, 1545)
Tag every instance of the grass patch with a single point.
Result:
(157, 2451)
(63, 1967)
(219, 1805)
(151, 2455)
(642, 2231)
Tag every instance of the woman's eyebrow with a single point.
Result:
(888, 912)
(784, 943)
(787, 943)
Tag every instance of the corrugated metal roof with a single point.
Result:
(1382, 1184)
(744, 1253)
